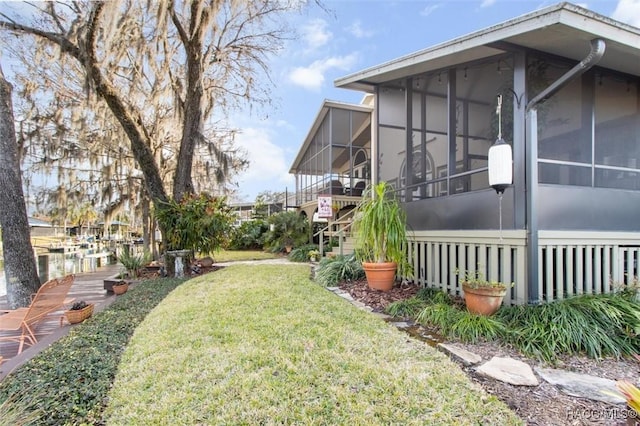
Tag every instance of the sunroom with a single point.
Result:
(568, 83)
(334, 160)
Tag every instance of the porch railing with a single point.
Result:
(439, 258)
(569, 262)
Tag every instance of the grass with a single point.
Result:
(265, 345)
(239, 255)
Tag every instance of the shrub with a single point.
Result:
(249, 235)
(301, 254)
(288, 229)
(68, 382)
(200, 223)
(598, 325)
(331, 271)
(407, 308)
(133, 263)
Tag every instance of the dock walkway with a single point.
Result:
(87, 287)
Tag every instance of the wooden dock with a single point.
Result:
(87, 287)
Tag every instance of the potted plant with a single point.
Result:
(133, 263)
(313, 255)
(482, 296)
(380, 230)
(120, 287)
(78, 312)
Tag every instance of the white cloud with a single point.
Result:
(312, 76)
(628, 11)
(268, 168)
(358, 32)
(316, 34)
(429, 9)
(487, 3)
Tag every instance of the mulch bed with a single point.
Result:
(379, 300)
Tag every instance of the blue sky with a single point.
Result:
(359, 34)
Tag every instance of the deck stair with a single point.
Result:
(339, 229)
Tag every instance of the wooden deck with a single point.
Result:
(87, 287)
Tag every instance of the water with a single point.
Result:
(54, 265)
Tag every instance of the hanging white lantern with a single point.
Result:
(500, 166)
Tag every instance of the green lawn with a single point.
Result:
(238, 255)
(262, 344)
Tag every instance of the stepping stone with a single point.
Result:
(509, 370)
(582, 385)
(461, 354)
(345, 296)
(400, 324)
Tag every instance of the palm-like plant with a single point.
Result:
(380, 226)
(381, 236)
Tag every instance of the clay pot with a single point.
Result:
(121, 288)
(380, 276)
(483, 300)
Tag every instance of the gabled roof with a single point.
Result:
(564, 30)
(324, 110)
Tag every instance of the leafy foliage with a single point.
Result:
(301, 254)
(249, 235)
(595, 325)
(73, 376)
(78, 305)
(133, 263)
(200, 223)
(406, 308)
(331, 271)
(287, 229)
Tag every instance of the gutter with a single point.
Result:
(597, 52)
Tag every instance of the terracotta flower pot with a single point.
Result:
(483, 300)
(120, 288)
(380, 276)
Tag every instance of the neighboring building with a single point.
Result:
(570, 84)
(41, 228)
(246, 212)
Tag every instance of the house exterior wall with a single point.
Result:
(588, 167)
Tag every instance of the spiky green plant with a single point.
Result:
(474, 328)
(380, 228)
(597, 325)
(15, 412)
(331, 271)
(441, 315)
(434, 295)
(406, 308)
(133, 263)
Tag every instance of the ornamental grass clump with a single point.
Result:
(596, 325)
(331, 271)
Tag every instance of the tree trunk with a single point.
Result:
(19, 261)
